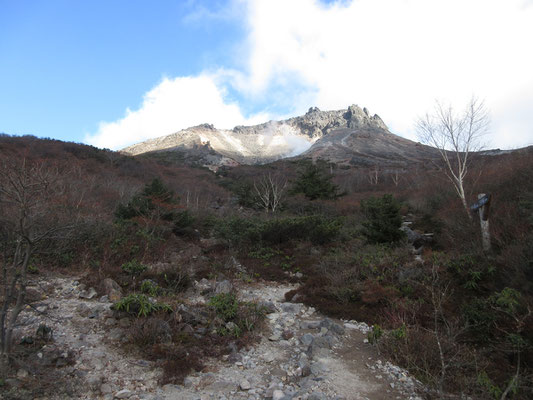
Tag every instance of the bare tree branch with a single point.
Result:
(455, 136)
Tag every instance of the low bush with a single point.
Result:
(245, 231)
(133, 267)
(140, 305)
(383, 219)
(226, 305)
(150, 288)
(238, 317)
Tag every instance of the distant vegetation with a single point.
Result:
(460, 320)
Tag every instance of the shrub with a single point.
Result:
(176, 279)
(316, 228)
(134, 267)
(150, 331)
(140, 305)
(314, 183)
(183, 222)
(150, 287)
(225, 305)
(375, 334)
(155, 199)
(383, 219)
(239, 316)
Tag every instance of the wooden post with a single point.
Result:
(484, 222)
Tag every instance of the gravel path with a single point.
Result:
(302, 354)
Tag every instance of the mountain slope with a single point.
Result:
(350, 136)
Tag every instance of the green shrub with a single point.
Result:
(315, 183)
(134, 267)
(183, 222)
(315, 228)
(375, 334)
(140, 305)
(225, 305)
(151, 288)
(383, 219)
(507, 300)
(488, 386)
(399, 333)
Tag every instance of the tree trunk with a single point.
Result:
(484, 223)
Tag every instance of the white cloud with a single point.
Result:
(172, 105)
(397, 56)
(393, 56)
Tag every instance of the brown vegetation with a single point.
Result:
(460, 320)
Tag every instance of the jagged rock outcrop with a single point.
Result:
(352, 136)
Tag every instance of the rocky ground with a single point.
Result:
(301, 355)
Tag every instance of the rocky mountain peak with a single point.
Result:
(338, 135)
(316, 123)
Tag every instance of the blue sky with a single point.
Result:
(67, 65)
(112, 73)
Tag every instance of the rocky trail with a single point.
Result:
(301, 354)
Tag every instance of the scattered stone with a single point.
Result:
(336, 328)
(112, 290)
(22, 373)
(123, 394)
(321, 342)
(278, 395)
(269, 357)
(268, 306)
(83, 310)
(207, 379)
(231, 326)
(291, 308)
(88, 294)
(245, 385)
(223, 287)
(274, 338)
(307, 339)
(297, 298)
(33, 294)
(317, 396)
(94, 382)
(106, 389)
(188, 382)
(309, 324)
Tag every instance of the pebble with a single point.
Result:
(245, 385)
(278, 395)
(123, 394)
(307, 339)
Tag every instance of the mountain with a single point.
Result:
(350, 136)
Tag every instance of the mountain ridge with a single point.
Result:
(349, 135)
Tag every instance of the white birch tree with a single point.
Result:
(270, 191)
(456, 136)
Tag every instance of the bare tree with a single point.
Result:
(395, 176)
(34, 207)
(456, 136)
(373, 175)
(270, 191)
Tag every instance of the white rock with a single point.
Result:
(22, 373)
(123, 394)
(277, 395)
(245, 385)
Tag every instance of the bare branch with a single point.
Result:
(455, 137)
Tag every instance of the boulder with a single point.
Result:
(223, 287)
(111, 289)
(88, 294)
